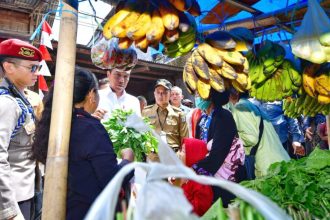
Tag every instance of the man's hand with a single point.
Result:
(99, 113)
(309, 133)
(127, 154)
(298, 149)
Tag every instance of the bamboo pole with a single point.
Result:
(54, 199)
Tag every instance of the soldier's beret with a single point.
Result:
(19, 49)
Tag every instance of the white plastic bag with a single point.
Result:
(306, 42)
(105, 54)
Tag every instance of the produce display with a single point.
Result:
(316, 82)
(124, 137)
(304, 105)
(302, 187)
(216, 64)
(273, 77)
(240, 210)
(147, 23)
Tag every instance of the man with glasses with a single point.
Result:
(115, 96)
(169, 122)
(20, 63)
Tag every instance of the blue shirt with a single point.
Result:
(283, 125)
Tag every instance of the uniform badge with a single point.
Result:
(183, 119)
(30, 128)
(27, 52)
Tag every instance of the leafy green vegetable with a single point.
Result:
(302, 187)
(123, 137)
(215, 212)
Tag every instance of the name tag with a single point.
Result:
(163, 136)
(30, 128)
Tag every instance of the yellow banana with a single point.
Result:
(120, 29)
(203, 88)
(169, 15)
(322, 84)
(232, 57)
(139, 29)
(227, 71)
(210, 54)
(200, 65)
(246, 66)
(323, 99)
(216, 81)
(114, 20)
(142, 44)
(189, 74)
(237, 86)
(157, 29)
(181, 5)
(242, 79)
(124, 43)
(308, 83)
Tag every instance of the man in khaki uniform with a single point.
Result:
(169, 121)
(20, 63)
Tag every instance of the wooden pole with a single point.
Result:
(54, 199)
(328, 129)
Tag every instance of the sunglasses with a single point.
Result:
(33, 68)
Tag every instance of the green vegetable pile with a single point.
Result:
(123, 137)
(302, 187)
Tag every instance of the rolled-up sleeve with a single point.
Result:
(9, 113)
(294, 130)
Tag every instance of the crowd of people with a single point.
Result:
(220, 137)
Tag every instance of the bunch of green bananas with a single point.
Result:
(273, 77)
(183, 45)
(304, 105)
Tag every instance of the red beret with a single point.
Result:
(19, 49)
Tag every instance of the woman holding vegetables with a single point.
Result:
(92, 161)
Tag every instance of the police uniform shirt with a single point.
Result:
(16, 169)
(171, 121)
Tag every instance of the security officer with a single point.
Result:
(169, 121)
(20, 63)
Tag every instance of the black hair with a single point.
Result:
(219, 98)
(84, 82)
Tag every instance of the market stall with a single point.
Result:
(238, 54)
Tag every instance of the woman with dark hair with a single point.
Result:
(92, 160)
(222, 131)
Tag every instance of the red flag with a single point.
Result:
(45, 54)
(42, 83)
(46, 35)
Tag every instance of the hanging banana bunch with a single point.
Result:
(273, 77)
(148, 23)
(216, 64)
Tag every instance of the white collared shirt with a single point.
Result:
(109, 101)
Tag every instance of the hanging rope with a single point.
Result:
(60, 10)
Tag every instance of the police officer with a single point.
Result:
(20, 63)
(169, 121)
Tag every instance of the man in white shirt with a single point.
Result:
(115, 96)
(176, 99)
